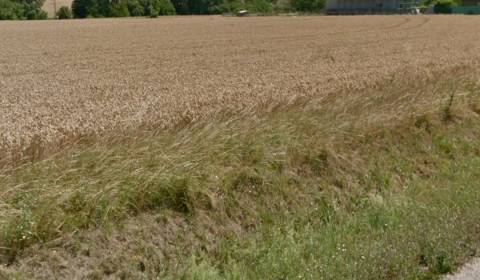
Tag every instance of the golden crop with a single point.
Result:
(64, 79)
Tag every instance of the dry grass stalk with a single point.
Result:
(112, 76)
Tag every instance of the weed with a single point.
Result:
(447, 110)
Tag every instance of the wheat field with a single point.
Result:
(64, 79)
(212, 147)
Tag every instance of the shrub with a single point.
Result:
(260, 6)
(90, 8)
(25, 9)
(64, 13)
(35, 13)
(9, 10)
(151, 11)
(119, 9)
(79, 8)
(444, 6)
(228, 6)
(154, 8)
(308, 5)
(135, 8)
(283, 6)
(181, 6)
(165, 7)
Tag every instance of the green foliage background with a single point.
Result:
(443, 6)
(31, 9)
(153, 8)
(64, 13)
(21, 9)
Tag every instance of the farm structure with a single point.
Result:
(371, 6)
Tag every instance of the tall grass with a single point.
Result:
(386, 190)
(425, 231)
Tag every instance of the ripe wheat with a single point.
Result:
(70, 78)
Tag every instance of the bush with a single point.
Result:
(79, 8)
(260, 6)
(21, 9)
(283, 6)
(151, 11)
(308, 5)
(135, 8)
(10, 10)
(154, 8)
(444, 6)
(119, 9)
(228, 6)
(165, 8)
(90, 8)
(64, 13)
(33, 14)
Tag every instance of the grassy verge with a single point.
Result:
(360, 187)
(422, 232)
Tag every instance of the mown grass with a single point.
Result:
(316, 194)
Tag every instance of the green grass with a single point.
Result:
(311, 194)
(421, 233)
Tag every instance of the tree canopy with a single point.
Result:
(121, 8)
(21, 9)
(31, 9)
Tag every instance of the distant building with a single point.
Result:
(371, 6)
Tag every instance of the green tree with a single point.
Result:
(444, 6)
(165, 8)
(10, 10)
(135, 8)
(79, 8)
(21, 9)
(103, 8)
(64, 13)
(154, 8)
(260, 6)
(89, 8)
(36, 14)
(308, 5)
(181, 6)
(119, 8)
(433, 2)
(228, 6)
(196, 7)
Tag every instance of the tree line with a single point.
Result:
(21, 9)
(124, 8)
(31, 9)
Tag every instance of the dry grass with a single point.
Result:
(62, 80)
(173, 195)
(377, 107)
